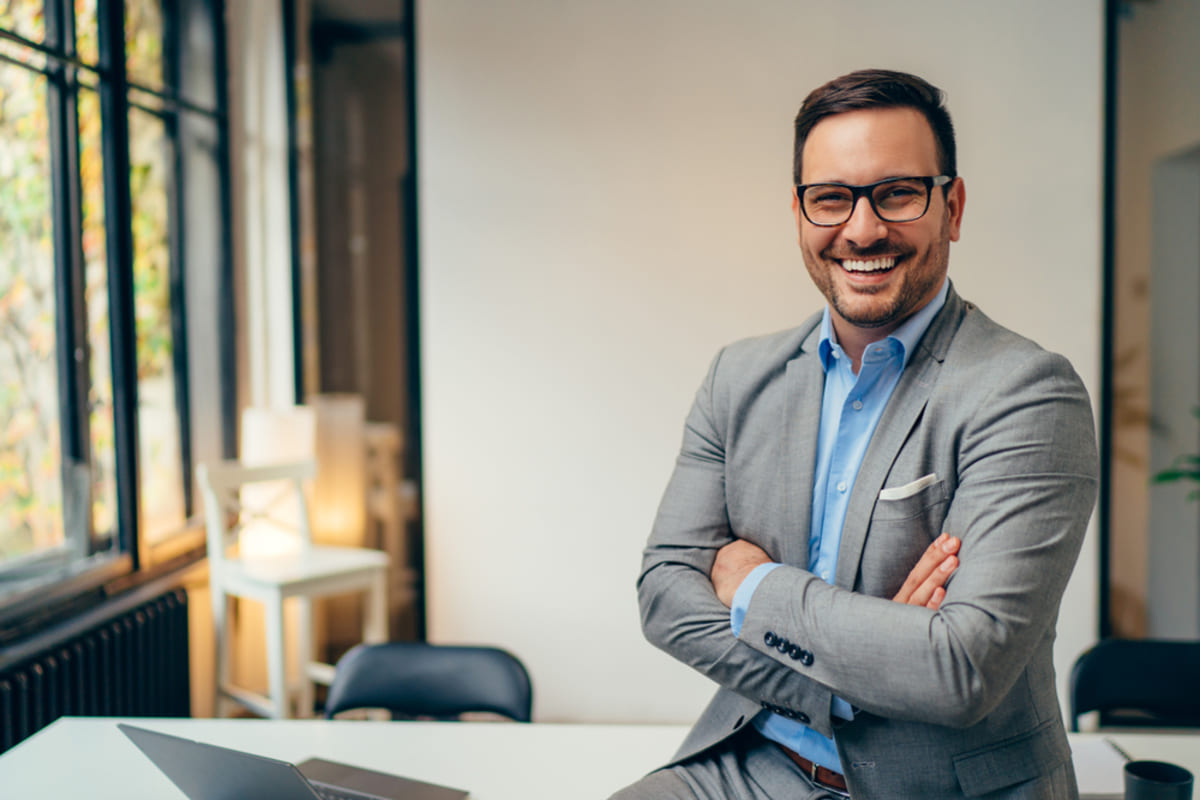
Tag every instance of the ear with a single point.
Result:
(956, 198)
(796, 210)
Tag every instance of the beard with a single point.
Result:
(922, 275)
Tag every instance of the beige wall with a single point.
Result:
(604, 202)
(1159, 115)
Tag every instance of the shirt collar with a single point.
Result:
(907, 335)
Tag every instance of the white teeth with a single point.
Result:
(875, 265)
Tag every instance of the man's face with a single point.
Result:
(876, 274)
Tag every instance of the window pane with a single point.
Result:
(100, 392)
(21, 54)
(159, 454)
(197, 57)
(199, 142)
(143, 42)
(86, 31)
(24, 18)
(30, 466)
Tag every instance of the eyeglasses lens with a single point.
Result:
(894, 201)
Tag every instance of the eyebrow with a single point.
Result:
(868, 183)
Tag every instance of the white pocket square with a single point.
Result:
(908, 489)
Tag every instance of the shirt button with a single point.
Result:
(836, 354)
(841, 487)
(857, 405)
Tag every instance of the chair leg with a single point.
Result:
(221, 650)
(277, 688)
(305, 654)
(375, 624)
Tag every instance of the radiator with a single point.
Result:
(132, 663)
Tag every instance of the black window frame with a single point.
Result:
(200, 277)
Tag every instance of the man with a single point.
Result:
(806, 552)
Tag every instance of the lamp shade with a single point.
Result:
(331, 429)
(339, 502)
(270, 436)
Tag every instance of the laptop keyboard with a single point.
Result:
(328, 792)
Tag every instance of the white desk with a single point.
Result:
(89, 757)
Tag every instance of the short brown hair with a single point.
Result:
(878, 88)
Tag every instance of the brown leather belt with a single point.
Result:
(819, 775)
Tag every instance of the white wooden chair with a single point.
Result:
(237, 497)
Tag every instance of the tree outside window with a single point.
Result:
(67, 446)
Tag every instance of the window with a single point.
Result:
(115, 341)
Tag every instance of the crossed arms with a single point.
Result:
(924, 586)
(1018, 454)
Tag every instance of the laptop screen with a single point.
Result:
(209, 772)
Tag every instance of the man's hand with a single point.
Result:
(925, 584)
(734, 562)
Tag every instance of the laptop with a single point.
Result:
(208, 772)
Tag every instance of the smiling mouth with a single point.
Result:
(869, 265)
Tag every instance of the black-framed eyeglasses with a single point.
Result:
(893, 200)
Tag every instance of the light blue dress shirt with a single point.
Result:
(850, 409)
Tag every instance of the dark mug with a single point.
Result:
(1157, 780)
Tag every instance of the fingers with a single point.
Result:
(932, 590)
(924, 567)
(925, 582)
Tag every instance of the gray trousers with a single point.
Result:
(748, 767)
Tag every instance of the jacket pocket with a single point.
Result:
(1014, 760)
(911, 500)
(908, 489)
(898, 534)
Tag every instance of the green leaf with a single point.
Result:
(1169, 475)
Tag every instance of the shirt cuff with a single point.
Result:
(741, 598)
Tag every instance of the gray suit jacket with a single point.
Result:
(986, 436)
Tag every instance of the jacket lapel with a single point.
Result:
(802, 423)
(901, 414)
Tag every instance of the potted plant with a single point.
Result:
(1185, 468)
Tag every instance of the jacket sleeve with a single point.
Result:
(680, 610)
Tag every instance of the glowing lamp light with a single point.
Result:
(331, 429)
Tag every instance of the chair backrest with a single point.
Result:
(416, 679)
(1138, 682)
(237, 496)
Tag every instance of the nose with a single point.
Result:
(864, 227)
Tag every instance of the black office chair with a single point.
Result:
(419, 680)
(1138, 683)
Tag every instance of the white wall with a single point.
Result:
(604, 202)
